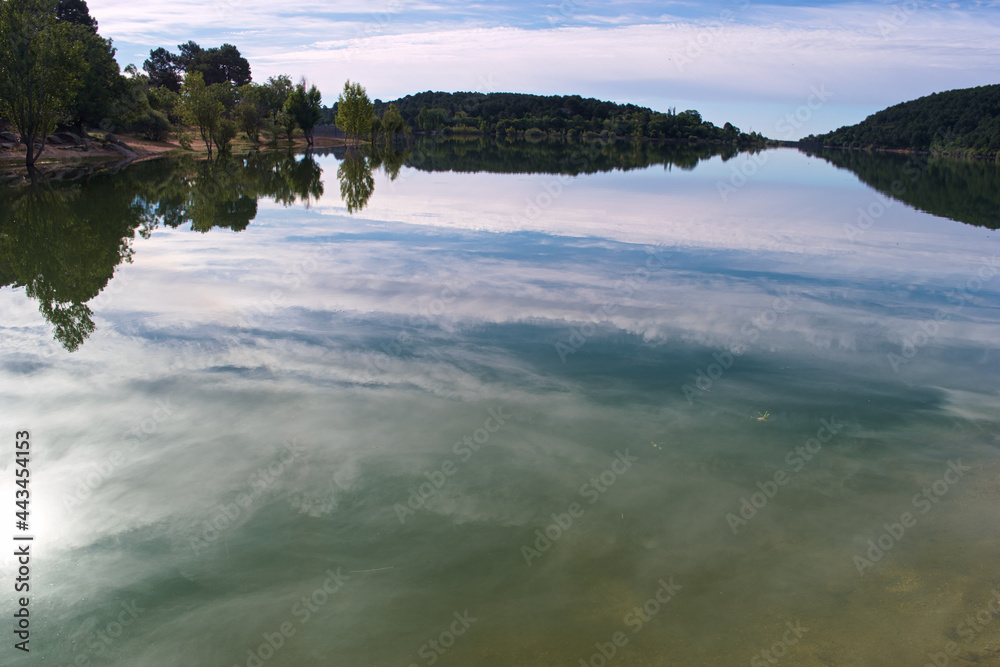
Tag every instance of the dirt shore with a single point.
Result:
(144, 149)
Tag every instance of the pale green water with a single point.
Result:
(362, 356)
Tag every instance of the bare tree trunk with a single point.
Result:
(29, 153)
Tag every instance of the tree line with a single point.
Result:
(56, 71)
(570, 116)
(956, 122)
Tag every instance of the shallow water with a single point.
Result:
(494, 413)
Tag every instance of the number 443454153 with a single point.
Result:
(22, 452)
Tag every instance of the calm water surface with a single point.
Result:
(508, 407)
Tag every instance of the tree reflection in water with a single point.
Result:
(62, 241)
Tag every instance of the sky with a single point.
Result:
(785, 68)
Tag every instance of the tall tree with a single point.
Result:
(392, 123)
(103, 85)
(225, 64)
(355, 111)
(201, 108)
(41, 69)
(304, 106)
(162, 70)
(216, 65)
(76, 11)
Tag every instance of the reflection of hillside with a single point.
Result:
(555, 157)
(61, 241)
(965, 190)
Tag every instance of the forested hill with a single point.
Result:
(569, 115)
(965, 121)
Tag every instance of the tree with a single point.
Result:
(355, 111)
(190, 56)
(224, 133)
(76, 11)
(216, 65)
(392, 123)
(274, 93)
(162, 70)
(41, 69)
(286, 121)
(103, 84)
(225, 64)
(303, 105)
(201, 108)
(248, 111)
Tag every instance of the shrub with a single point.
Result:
(152, 125)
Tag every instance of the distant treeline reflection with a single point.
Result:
(486, 154)
(962, 189)
(556, 157)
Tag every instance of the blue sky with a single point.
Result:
(783, 68)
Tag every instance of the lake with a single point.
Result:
(508, 404)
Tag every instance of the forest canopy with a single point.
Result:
(572, 116)
(957, 122)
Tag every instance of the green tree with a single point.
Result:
(76, 11)
(41, 69)
(392, 123)
(103, 84)
(355, 111)
(274, 93)
(201, 108)
(286, 122)
(162, 70)
(216, 65)
(248, 112)
(304, 106)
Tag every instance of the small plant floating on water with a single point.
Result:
(655, 445)
(763, 417)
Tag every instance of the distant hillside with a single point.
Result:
(965, 122)
(506, 114)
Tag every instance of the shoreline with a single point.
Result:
(101, 155)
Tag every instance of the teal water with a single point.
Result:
(463, 408)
